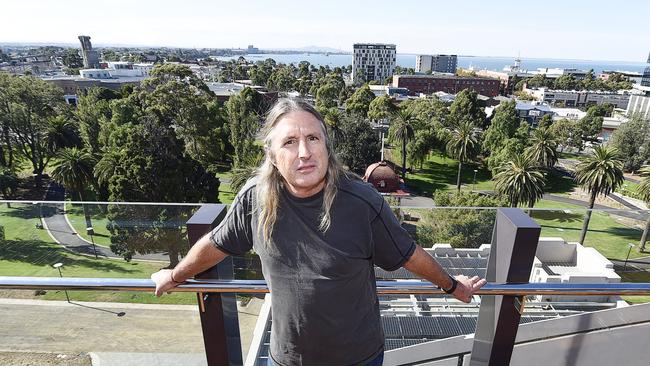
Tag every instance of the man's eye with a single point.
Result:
(313, 138)
(289, 142)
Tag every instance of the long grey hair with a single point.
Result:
(270, 182)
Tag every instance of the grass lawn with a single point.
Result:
(569, 155)
(641, 277)
(76, 217)
(440, 172)
(226, 195)
(27, 251)
(629, 189)
(606, 232)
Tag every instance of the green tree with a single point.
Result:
(466, 109)
(381, 108)
(600, 173)
(8, 184)
(632, 140)
(565, 82)
(462, 228)
(282, 79)
(179, 99)
(462, 145)
(592, 124)
(568, 134)
(359, 145)
(92, 110)
(27, 104)
(244, 123)
(538, 81)
(521, 181)
(401, 131)
(61, 133)
(151, 166)
(543, 148)
(74, 171)
(422, 144)
(359, 103)
(327, 97)
(71, 59)
(644, 192)
(504, 125)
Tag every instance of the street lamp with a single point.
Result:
(630, 245)
(474, 185)
(90, 231)
(58, 266)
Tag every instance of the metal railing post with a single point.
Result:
(218, 311)
(514, 243)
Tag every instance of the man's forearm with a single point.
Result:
(203, 255)
(424, 266)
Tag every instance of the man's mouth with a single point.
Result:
(306, 168)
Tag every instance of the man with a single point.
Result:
(319, 232)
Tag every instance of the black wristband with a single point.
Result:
(454, 284)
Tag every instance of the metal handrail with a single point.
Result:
(393, 287)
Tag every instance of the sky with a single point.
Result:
(589, 30)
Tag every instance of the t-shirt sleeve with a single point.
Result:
(392, 244)
(234, 234)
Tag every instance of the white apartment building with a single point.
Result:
(373, 61)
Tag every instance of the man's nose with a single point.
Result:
(303, 150)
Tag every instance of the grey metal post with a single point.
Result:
(218, 311)
(514, 243)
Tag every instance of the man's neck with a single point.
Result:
(304, 192)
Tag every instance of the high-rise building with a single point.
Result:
(645, 80)
(373, 61)
(90, 57)
(436, 63)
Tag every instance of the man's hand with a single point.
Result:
(467, 287)
(164, 281)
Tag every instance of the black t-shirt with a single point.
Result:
(324, 303)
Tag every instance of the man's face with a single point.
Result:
(299, 152)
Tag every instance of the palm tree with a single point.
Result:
(543, 149)
(402, 131)
(241, 174)
(107, 166)
(74, 170)
(644, 191)
(521, 180)
(461, 145)
(61, 133)
(601, 173)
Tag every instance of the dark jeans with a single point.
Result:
(377, 361)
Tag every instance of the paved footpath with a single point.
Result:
(60, 229)
(144, 335)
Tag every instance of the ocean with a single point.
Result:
(477, 62)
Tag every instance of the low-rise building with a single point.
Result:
(429, 84)
(532, 112)
(579, 98)
(397, 93)
(572, 114)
